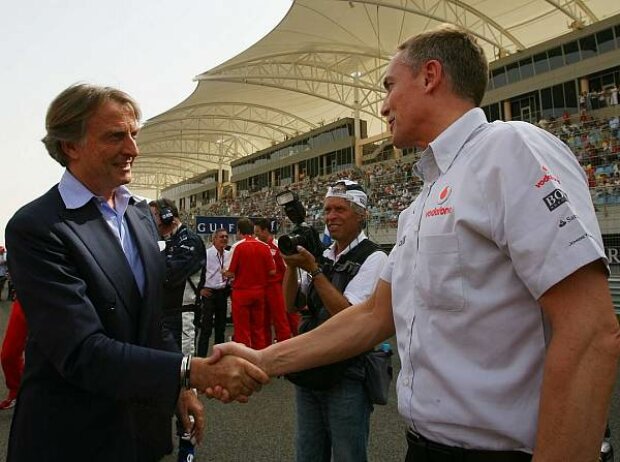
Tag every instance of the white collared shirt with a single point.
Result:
(215, 264)
(504, 214)
(75, 195)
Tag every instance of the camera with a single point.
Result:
(302, 234)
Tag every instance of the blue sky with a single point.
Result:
(150, 49)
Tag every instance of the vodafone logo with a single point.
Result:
(444, 194)
(439, 211)
(546, 178)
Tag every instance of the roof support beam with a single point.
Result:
(493, 25)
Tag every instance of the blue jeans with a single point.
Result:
(334, 421)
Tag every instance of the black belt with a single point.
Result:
(421, 449)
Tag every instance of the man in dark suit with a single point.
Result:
(102, 376)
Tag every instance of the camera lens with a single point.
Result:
(288, 244)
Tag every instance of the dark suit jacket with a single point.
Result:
(101, 376)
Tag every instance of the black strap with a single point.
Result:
(340, 275)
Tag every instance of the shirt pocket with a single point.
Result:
(439, 277)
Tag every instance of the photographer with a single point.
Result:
(333, 409)
(185, 258)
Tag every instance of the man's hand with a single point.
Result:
(238, 377)
(238, 349)
(302, 259)
(228, 274)
(223, 350)
(190, 405)
(205, 292)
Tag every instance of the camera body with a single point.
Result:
(302, 234)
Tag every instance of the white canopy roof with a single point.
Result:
(324, 60)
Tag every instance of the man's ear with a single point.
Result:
(70, 149)
(433, 75)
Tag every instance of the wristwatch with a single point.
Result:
(316, 272)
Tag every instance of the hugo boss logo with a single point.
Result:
(554, 199)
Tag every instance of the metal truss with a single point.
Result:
(194, 138)
(351, 80)
(209, 135)
(574, 9)
(459, 13)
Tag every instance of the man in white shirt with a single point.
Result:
(214, 294)
(497, 285)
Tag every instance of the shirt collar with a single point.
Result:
(75, 195)
(447, 145)
(331, 250)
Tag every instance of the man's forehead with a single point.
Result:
(115, 113)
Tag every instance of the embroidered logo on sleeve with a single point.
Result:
(564, 221)
(547, 177)
(556, 198)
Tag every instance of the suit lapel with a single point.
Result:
(89, 225)
(145, 237)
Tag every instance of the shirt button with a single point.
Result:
(406, 382)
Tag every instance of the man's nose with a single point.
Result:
(385, 109)
(131, 146)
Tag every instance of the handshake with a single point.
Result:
(232, 373)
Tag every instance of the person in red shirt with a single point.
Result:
(251, 265)
(275, 311)
(12, 355)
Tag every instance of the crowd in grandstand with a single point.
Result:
(596, 144)
(391, 186)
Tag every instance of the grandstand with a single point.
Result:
(300, 108)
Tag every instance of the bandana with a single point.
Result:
(349, 190)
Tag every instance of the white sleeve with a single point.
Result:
(540, 207)
(363, 284)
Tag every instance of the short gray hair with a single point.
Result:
(459, 53)
(70, 111)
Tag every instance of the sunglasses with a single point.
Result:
(340, 187)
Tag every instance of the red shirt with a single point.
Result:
(277, 258)
(251, 262)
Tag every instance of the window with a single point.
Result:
(558, 99)
(555, 58)
(512, 71)
(547, 102)
(489, 83)
(605, 40)
(526, 67)
(617, 34)
(570, 96)
(571, 52)
(515, 108)
(541, 64)
(499, 77)
(492, 112)
(487, 112)
(607, 77)
(588, 47)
